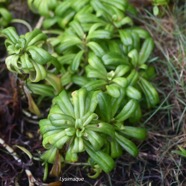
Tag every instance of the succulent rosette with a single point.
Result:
(73, 125)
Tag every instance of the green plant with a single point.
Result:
(157, 4)
(27, 57)
(42, 7)
(5, 16)
(99, 62)
(181, 151)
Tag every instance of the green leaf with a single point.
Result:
(134, 55)
(116, 103)
(64, 103)
(126, 38)
(121, 81)
(91, 101)
(78, 145)
(64, 20)
(116, 3)
(66, 78)
(104, 106)
(61, 140)
(121, 70)
(55, 138)
(99, 34)
(41, 89)
(25, 63)
(66, 59)
(96, 48)
(96, 140)
(54, 81)
(133, 93)
(113, 90)
(38, 74)
(12, 63)
(143, 34)
(42, 7)
(149, 91)
(78, 98)
(136, 41)
(49, 22)
(63, 7)
(146, 50)
(80, 80)
(45, 126)
(71, 156)
(181, 151)
(135, 132)
(34, 37)
(79, 5)
(27, 152)
(49, 155)
(102, 127)
(11, 34)
(69, 42)
(76, 61)
(87, 17)
(70, 131)
(96, 63)
(115, 149)
(136, 115)
(105, 162)
(114, 58)
(88, 118)
(39, 55)
(104, 10)
(127, 110)
(77, 29)
(94, 73)
(61, 119)
(95, 27)
(127, 145)
(124, 21)
(133, 77)
(5, 17)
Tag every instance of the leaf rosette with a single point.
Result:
(73, 125)
(26, 55)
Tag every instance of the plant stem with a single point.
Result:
(22, 22)
(40, 22)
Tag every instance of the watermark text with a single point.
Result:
(75, 179)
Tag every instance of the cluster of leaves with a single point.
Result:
(97, 66)
(5, 15)
(33, 63)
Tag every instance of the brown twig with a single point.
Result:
(32, 181)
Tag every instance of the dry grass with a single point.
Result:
(157, 164)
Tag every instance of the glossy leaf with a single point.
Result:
(127, 145)
(96, 140)
(135, 132)
(95, 85)
(76, 61)
(127, 110)
(104, 106)
(102, 159)
(102, 127)
(113, 90)
(146, 50)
